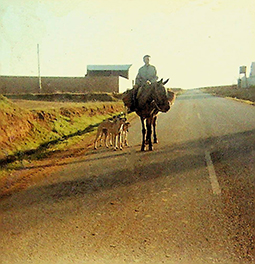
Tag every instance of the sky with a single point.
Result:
(195, 43)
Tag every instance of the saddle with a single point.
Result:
(136, 95)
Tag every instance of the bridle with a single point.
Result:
(155, 104)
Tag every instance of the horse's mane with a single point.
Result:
(145, 94)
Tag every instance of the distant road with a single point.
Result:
(188, 201)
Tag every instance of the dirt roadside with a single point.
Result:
(31, 173)
(65, 127)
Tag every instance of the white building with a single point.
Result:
(250, 81)
(252, 72)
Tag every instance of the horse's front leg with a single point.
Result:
(143, 134)
(154, 123)
(148, 137)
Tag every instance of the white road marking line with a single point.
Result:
(212, 175)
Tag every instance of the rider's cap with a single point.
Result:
(146, 56)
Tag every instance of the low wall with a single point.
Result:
(29, 84)
(65, 97)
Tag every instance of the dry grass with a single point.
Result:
(40, 127)
(247, 94)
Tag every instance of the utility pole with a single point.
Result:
(39, 73)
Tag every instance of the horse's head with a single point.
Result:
(160, 96)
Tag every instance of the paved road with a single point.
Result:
(189, 201)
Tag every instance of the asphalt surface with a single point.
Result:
(190, 200)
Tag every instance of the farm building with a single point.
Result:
(109, 70)
(99, 78)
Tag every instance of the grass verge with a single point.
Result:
(35, 134)
(247, 95)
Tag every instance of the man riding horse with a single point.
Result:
(146, 74)
(147, 98)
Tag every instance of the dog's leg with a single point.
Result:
(126, 138)
(97, 138)
(101, 138)
(120, 140)
(111, 139)
(104, 133)
(115, 142)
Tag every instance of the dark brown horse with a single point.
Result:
(151, 99)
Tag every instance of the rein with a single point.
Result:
(153, 101)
